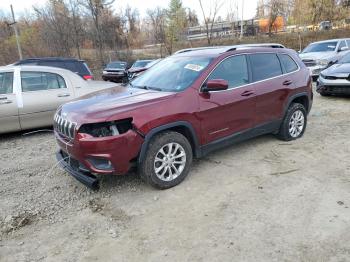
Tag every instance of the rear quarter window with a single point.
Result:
(265, 66)
(288, 63)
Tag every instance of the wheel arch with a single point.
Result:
(301, 98)
(183, 127)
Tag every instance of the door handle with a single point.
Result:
(287, 82)
(5, 102)
(63, 95)
(247, 93)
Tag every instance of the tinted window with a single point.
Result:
(6, 83)
(35, 81)
(321, 47)
(234, 70)
(52, 63)
(117, 65)
(265, 66)
(288, 63)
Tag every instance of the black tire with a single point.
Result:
(284, 133)
(324, 94)
(147, 167)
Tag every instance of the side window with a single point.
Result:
(37, 81)
(265, 66)
(234, 70)
(288, 63)
(348, 42)
(6, 83)
(52, 63)
(341, 45)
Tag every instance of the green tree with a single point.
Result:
(176, 24)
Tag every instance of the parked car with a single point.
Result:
(136, 71)
(77, 66)
(185, 106)
(115, 72)
(30, 95)
(335, 79)
(325, 25)
(319, 55)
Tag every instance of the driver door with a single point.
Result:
(224, 113)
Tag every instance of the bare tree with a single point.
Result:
(157, 19)
(96, 9)
(210, 19)
(275, 8)
(74, 8)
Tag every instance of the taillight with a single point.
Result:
(88, 77)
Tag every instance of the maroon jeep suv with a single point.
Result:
(185, 106)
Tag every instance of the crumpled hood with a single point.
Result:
(317, 55)
(339, 70)
(105, 104)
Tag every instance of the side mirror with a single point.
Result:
(215, 85)
(344, 48)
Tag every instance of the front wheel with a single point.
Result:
(294, 123)
(167, 161)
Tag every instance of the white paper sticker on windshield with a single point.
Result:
(194, 67)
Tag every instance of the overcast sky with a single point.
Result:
(142, 5)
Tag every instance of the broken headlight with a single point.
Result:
(106, 129)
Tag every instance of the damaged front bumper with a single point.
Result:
(77, 170)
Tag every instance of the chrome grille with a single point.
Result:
(309, 62)
(64, 127)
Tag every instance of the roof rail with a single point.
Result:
(196, 48)
(231, 48)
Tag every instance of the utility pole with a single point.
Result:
(242, 20)
(16, 33)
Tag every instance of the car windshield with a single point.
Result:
(321, 47)
(140, 63)
(345, 59)
(172, 74)
(117, 65)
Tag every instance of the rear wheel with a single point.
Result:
(167, 161)
(294, 123)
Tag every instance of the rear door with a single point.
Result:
(9, 120)
(227, 112)
(271, 85)
(42, 93)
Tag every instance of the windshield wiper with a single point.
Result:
(146, 87)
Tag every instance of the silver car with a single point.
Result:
(335, 79)
(30, 95)
(319, 55)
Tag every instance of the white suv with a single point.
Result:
(319, 55)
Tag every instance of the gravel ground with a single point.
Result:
(260, 200)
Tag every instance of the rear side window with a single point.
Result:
(288, 63)
(81, 68)
(234, 70)
(265, 66)
(6, 83)
(52, 63)
(38, 81)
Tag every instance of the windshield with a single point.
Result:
(140, 63)
(345, 59)
(321, 47)
(117, 65)
(172, 74)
